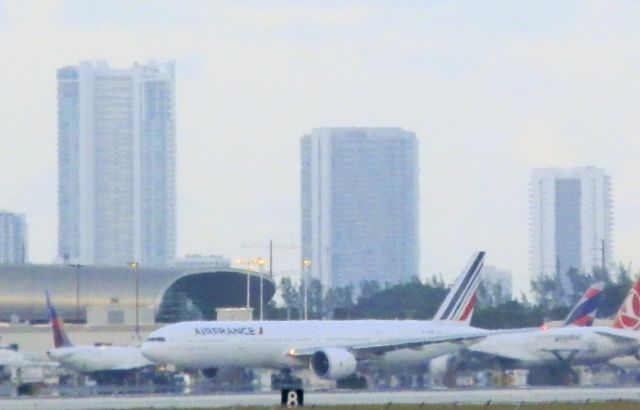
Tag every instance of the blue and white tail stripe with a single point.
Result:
(461, 299)
(584, 312)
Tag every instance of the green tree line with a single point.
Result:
(420, 300)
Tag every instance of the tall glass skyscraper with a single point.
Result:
(116, 164)
(571, 221)
(359, 199)
(13, 238)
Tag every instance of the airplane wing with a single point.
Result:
(28, 363)
(618, 336)
(367, 350)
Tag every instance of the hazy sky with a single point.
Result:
(492, 89)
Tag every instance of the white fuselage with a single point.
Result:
(87, 359)
(9, 357)
(576, 345)
(268, 344)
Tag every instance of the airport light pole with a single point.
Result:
(243, 262)
(134, 265)
(77, 266)
(261, 263)
(305, 277)
(248, 284)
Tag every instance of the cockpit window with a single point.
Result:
(156, 339)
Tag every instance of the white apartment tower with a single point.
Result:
(13, 238)
(571, 220)
(116, 164)
(359, 200)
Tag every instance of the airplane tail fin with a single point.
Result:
(60, 338)
(584, 312)
(461, 300)
(628, 316)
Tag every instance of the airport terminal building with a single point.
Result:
(116, 305)
(159, 295)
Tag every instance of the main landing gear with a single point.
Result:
(291, 391)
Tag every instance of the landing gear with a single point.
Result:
(354, 382)
(285, 380)
(560, 374)
(291, 392)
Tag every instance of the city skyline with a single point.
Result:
(116, 164)
(489, 99)
(571, 222)
(14, 246)
(359, 204)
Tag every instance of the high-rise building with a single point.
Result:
(571, 221)
(498, 282)
(13, 238)
(116, 164)
(359, 199)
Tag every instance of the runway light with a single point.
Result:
(544, 327)
(292, 352)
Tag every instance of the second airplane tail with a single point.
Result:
(628, 316)
(461, 300)
(584, 312)
(60, 338)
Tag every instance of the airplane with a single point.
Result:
(11, 357)
(331, 349)
(582, 314)
(98, 360)
(571, 345)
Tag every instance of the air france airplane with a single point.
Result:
(332, 349)
(90, 359)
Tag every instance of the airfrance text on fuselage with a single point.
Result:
(228, 331)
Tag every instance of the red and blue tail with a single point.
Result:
(60, 338)
(584, 312)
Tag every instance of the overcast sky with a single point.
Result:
(492, 89)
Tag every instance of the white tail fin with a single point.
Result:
(460, 301)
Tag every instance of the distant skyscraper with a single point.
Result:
(116, 164)
(359, 199)
(571, 220)
(493, 276)
(13, 238)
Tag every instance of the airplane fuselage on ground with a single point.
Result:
(88, 359)
(271, 344)
(575, 345)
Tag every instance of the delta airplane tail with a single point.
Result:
(60, 338)
(460, 301)
(628, 316)
(584, 312)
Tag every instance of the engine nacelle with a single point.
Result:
(209, 373)
(333, 363)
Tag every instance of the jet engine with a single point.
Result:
(333, 363)
(209, 373)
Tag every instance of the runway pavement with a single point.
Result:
(330, 398)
